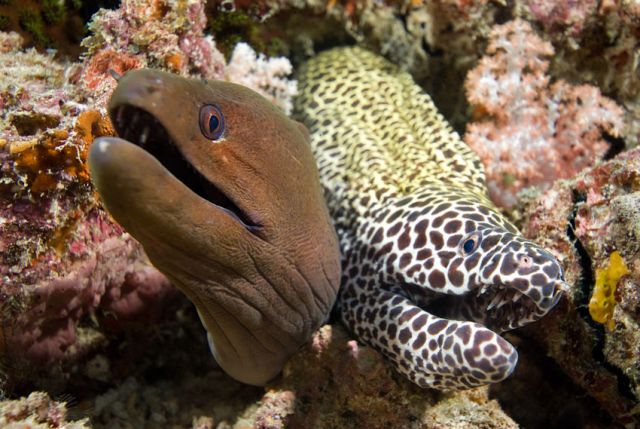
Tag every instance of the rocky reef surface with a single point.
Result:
(546, 92)
(591, 222)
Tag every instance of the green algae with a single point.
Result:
(5, 23)
(31, 21)
(53, 11)
(230, 28)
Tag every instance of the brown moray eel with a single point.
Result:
(222, 190)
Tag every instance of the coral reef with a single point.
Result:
(256, 71)
(527, 130)
(595, 42)
(34, 94)
(299, 398)
(587, 221)
(170, 35)
(37, 411)
(60, 253)
(440, 41)
(61, 258)
(371, 395)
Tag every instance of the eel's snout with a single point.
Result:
(527, 287)
(121, 172)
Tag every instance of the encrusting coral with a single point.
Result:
(170, 35)
(37, 411)
(370, 397)
(527, 130)
(59, 252)
(586, 222)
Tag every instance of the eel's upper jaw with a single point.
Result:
(506, 308)
(143, 129)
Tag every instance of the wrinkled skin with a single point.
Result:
(238, 223)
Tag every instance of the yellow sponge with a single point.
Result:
(603, 300)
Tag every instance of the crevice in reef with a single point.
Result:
(585, 285)
(616, 145)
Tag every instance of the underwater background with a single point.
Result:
(545, 92)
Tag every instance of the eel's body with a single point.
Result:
(221, 189)
(430, 267)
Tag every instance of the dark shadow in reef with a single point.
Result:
(540, 396)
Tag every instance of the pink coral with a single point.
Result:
(560, 15)
(103, 271)
(263, 75)
(530, 131)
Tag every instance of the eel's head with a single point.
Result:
(512, 281)
(221, 189)
(474, 265)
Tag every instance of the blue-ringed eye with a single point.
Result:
(211, 122)
(470, 243)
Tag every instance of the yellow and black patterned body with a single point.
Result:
(432, 271)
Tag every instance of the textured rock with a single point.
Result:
(37, 411)
(336, 383)
(331, 383)
(60, 254)
(583, 221)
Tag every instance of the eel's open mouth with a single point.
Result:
(141, 128)
(498, 307)
(503, 308)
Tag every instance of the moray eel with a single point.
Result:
(222, 190)
(432, 272)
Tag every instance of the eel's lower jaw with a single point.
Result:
(143, 129)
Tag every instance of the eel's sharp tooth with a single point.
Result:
(119, 116)
(496, 299)
(484, 289)
(516, 297)
(505, 299)
(144, 135)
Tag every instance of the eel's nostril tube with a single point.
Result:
(525, 262)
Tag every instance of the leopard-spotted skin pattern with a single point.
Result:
(430, 267)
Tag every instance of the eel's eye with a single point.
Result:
(470, 243)
(211, 122)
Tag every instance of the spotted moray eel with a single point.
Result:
(196, 175)
(432, 272)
